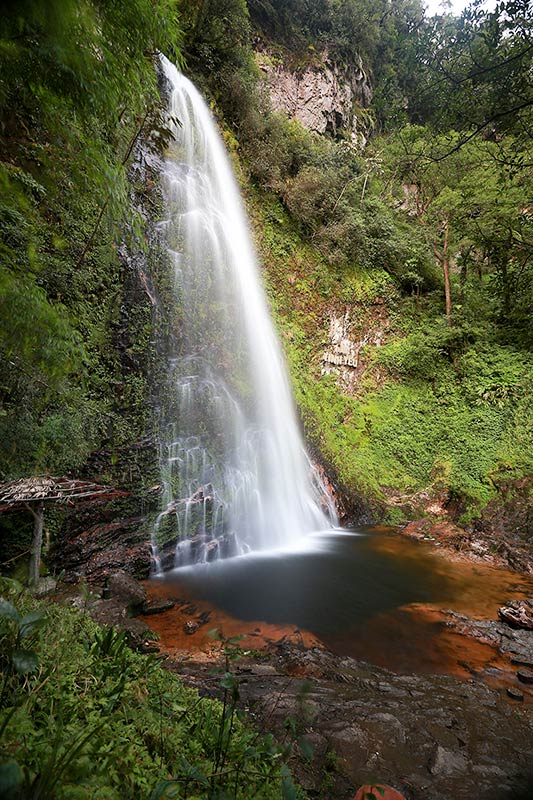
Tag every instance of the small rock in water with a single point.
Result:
(191, 627)
(515, 694)
(522, 661)
(158, 606)
(525, 675)
(378, 791)
(148, 648)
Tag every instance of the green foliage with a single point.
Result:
(436, 406)
(77, 86)
(335, 225)
(95, 720)
(483, 205)
(351, 30)
(476, 74)
(216, 34)
(15, 628)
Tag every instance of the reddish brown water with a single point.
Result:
(378, 597)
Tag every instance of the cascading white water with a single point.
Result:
(236, 475)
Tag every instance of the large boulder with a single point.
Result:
(127, 590)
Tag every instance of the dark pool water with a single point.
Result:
(346, 580)
(370, 593)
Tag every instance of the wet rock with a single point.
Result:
(148, 648)
(515, 694)
(446, 762)
(263, 669)
(126, 589)
(518, 614)
(109, 612)
(44, 586)
(444, 531)
(525, 675)
(479, 548)
(501, 536)
(317, 743)
(138, 633)
(515, 642)
(95, 551)
(387, 727)
(378, 791)
(476, 745)
(488, 769)
(211, 550)
(228, 545)
(351, 744)
(157, 606)
(114, 613)
(522, 661)
(191, 626)
(442, 734)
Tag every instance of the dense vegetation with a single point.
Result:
(432, 218)
(77, 88)
(83, 716)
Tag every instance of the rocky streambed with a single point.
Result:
(450, 724)
(431, 737)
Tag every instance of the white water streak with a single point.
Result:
(235, 440)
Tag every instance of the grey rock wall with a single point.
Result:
(323, 96)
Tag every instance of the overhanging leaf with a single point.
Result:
(164, 789)
(306, 748)
(24, 661)
(288, 789)
(10, 778)
(31, 622)
(8, 611)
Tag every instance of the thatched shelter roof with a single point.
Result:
(20, 493)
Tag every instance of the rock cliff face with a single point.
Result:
(348, 335)
(324, 97)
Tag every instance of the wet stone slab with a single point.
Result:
(429, 737)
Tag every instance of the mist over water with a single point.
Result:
(235, 472)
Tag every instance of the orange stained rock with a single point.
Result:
(378, 791)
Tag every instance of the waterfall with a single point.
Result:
(235, 472)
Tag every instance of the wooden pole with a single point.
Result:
(37, 543)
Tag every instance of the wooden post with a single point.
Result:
(37, 543)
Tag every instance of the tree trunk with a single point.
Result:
(36, 547)
(464, 273)
(506, 288)
(443, 257)
(446, 271)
